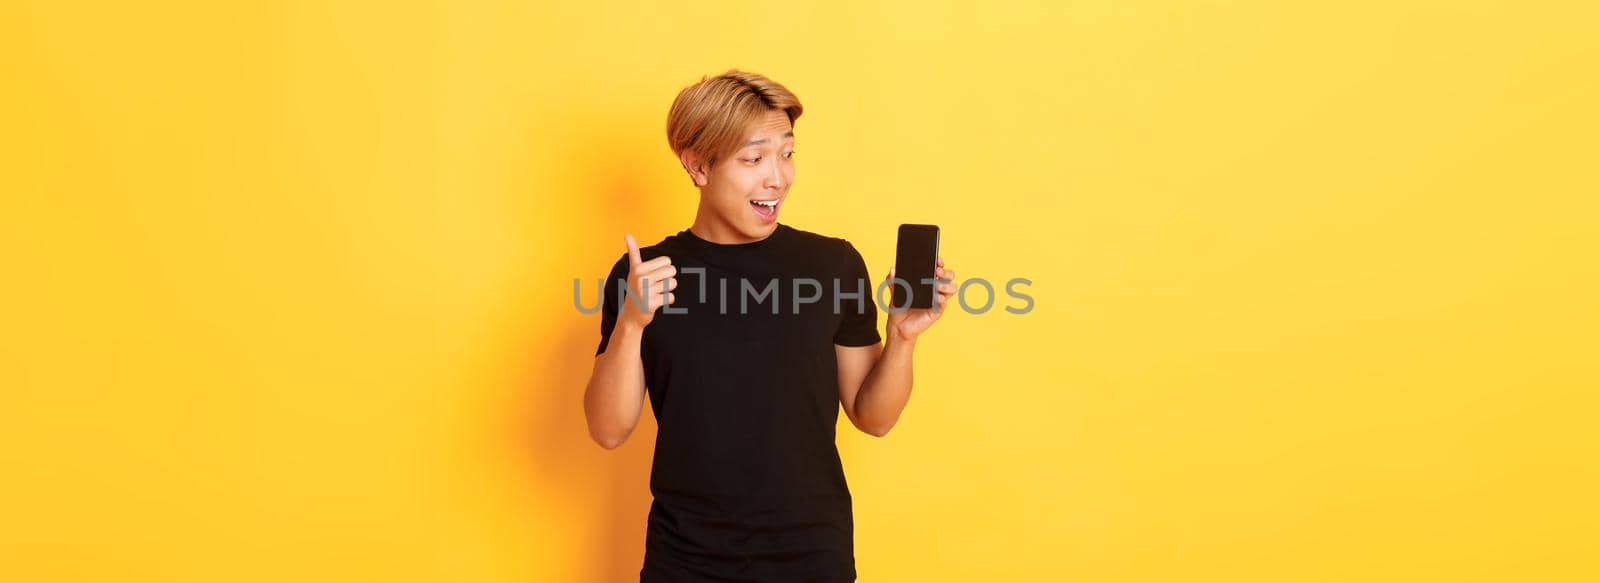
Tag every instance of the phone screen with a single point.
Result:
(915, 254)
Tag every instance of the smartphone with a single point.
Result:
(915, 254)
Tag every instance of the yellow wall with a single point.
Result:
(287, 286)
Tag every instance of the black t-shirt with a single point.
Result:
(747, 480)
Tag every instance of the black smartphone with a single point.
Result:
(914, 258)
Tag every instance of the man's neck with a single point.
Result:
(707, 227)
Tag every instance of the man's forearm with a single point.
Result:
(615, 395)
(887, 388)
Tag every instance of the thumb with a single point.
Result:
(633, 251)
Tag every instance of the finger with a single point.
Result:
(658, 295)
(633, 250)
(645, 286)
(939, 262)
(659, 273)
(949, 274)
(669, 298)
(652, 265)
(945, 289)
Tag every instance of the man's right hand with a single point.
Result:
(659, 274)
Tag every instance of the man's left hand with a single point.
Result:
(909, 324)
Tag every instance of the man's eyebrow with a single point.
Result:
(788, 134)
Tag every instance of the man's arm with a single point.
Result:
(614, 397)
(875, 380)
(875, 383)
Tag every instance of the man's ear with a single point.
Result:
(699, 171)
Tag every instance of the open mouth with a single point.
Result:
(767, 210)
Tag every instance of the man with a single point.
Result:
(750, 357)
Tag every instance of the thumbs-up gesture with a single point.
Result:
(651, 283)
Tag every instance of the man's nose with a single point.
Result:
(775, 178)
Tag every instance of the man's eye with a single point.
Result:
(753, 160)
(790, 154)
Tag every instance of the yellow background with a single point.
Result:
(288, 286)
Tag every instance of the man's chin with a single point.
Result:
(759, 231)
(753, 232)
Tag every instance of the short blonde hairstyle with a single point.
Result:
(710, 117)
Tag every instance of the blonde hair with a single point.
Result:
(710, 117)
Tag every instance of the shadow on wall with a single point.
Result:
(607, 488)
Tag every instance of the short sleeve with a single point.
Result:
(858, 322)
(610, 303)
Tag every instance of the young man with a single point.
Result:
(749, 335)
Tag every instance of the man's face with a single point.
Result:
(746, 190)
